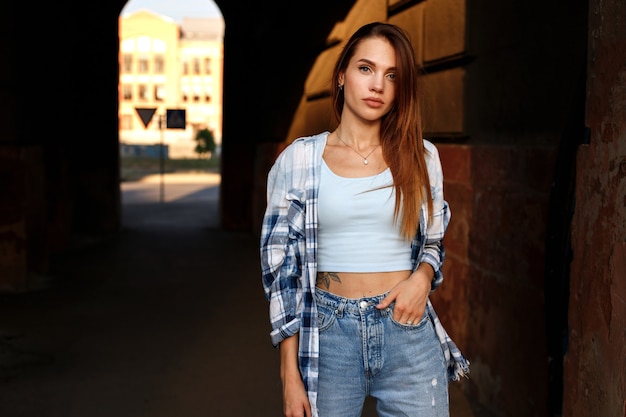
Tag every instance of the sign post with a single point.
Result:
(146, 114)
(171, 119)
(162, 158)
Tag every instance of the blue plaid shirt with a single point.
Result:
(289, 252)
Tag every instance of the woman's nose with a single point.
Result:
(377, 85)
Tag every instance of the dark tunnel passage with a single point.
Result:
(166, 317)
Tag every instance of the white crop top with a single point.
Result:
(356, 231)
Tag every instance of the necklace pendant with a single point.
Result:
(365, 162)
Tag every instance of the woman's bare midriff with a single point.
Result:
(358, 285)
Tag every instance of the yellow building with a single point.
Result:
(165, 66)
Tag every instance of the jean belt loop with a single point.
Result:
(341, 307)
(386, 311)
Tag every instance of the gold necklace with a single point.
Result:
(365, 162)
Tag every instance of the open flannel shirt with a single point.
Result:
(289, 253)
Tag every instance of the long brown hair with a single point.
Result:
(401, 128)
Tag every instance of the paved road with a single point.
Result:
(167, 318)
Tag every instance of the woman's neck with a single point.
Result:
(359, 136)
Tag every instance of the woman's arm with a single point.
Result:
(434, 251)
(410, 296)
(281, 246)
(295, 400)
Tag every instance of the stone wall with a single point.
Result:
(595, 364)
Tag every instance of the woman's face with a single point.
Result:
(369, 80)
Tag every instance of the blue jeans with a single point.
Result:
(364, 351)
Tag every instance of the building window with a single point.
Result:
(143, 92)
(127, 122)
(197, 93)
(159, 64)
(159, 93)
(127, 63)
(196, 65)
(143, 65)
(207, 66)
(185, 67)
(127, 92)
(144, 44)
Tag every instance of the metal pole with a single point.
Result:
(162, 157)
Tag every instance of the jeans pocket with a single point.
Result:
(325, 318)
(413, 326)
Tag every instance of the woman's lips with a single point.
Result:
(373, 102)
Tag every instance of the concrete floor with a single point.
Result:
(167, 318)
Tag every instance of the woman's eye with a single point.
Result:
(392, 76)
(364, 68)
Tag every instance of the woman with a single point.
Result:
(351, 247)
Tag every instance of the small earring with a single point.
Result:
(340, 86)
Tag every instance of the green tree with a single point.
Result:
(205, 142)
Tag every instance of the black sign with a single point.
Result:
(145, 114)
(176, 119)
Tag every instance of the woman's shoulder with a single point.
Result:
(432, 152)
(430, 147)
(433, 160)
(303, 140)
(295, 153)
(300, 144)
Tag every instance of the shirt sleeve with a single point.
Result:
(434, 250)
(281, 250)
